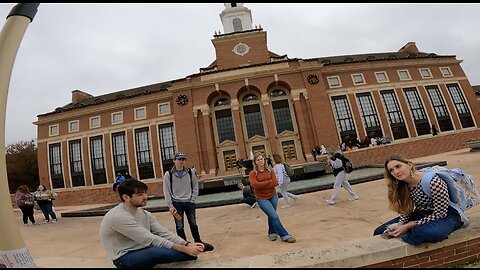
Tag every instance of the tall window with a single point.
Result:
(144, 160)
(253, 116)
(237, 25)
(460, 105)
(281, 111)
(395, 117)
(369, 115)
(344, 118)
(97, 160)
(76, 167)
(56, 174)
(418, 112)
(224, 120)
(439, 107)
(167, 145)
(119, 148)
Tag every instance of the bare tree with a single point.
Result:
(22, 165)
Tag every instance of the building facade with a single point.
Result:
(249, 100)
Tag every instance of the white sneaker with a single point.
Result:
(330, 202)
(45, 222)
(253, 205)
(353, 198)
(285, 206)
(54, 221)
(296, 197)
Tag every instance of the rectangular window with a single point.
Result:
(281, 113)
(53, 130)
(230, 160)
(55, 156)
(166, 132)
(97, 160)
(163, 108)
(460, 105)
(358, 79)
(369, 115)
(119, 148)
(253, 120)
(382, 77)
(446, 72)
(144, 158)
(334, 81)
(225, 128)
(258, 149)
(117, 118)
(73, 126)
(417, 110)
(289, 153)
(395, 117)
(439, 107)
(425, 72)
(95, 122)
(343, 115)
(404, 75)
(140, 113)
(76, 167)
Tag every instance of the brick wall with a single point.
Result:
(455, 254)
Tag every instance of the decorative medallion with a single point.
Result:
(241, 49)
(312, 79)
(182, 100)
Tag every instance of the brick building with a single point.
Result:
(250, 99)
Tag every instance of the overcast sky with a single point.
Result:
(104, 48)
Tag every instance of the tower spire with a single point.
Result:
(236, 18)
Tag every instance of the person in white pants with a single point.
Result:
(283, 181)
(340, 180)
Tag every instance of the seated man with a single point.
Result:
(248, 195)
(132, 237)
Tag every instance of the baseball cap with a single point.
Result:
(180, 155)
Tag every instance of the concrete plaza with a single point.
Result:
(236, 230)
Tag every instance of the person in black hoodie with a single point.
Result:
(336, 161)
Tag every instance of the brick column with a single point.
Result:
(301, 124)
(237, 123)
(211, 153)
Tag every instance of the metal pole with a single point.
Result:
(13, 252)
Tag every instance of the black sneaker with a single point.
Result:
(208, 247)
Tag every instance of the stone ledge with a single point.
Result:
(355, 253)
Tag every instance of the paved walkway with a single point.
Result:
(236, 230)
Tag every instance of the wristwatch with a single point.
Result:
(187, 242)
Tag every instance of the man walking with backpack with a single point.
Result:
(338, 166)
(180, 188)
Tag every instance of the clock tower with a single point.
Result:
(240, 45)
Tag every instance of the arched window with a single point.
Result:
(281, 110)
(224, 120)
(237, 25)
(253, 115)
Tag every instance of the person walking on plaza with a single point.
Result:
(133, 238)
(120, 178)
(44, 198)
(283, 181)
(264, 182)
(422, 218)
(24, 200)
(340, 179)
(180, 188)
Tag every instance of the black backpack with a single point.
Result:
(347, 165)
(289, 170)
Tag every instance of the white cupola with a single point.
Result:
(236, 18)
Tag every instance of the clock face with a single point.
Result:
(182, 100)
(241, 49)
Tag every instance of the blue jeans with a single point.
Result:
(189, 209)
(150, 256)
(47, 210)
(432, 231)
(275, 226)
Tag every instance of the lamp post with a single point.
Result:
(13, 252)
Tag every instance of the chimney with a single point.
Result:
(78, 96)
(410, 47)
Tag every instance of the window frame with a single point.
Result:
(160, 105)
(136, 110)
(50, 133)
(400, 76)
(90, 121)
(384, 73)
(334, 77)
(113, 118)
(450, 73)
(356, 75)
(421, 70)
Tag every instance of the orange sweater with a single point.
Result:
(263, 183)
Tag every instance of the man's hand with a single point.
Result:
(401, 229)
(172, 210)
(192, 249)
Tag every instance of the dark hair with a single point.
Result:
(130, 187)
(23, 189)
(277, 158)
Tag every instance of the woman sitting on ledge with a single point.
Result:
(422, 219)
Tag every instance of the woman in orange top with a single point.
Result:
(264, 182)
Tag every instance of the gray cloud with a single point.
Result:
(101, 48)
